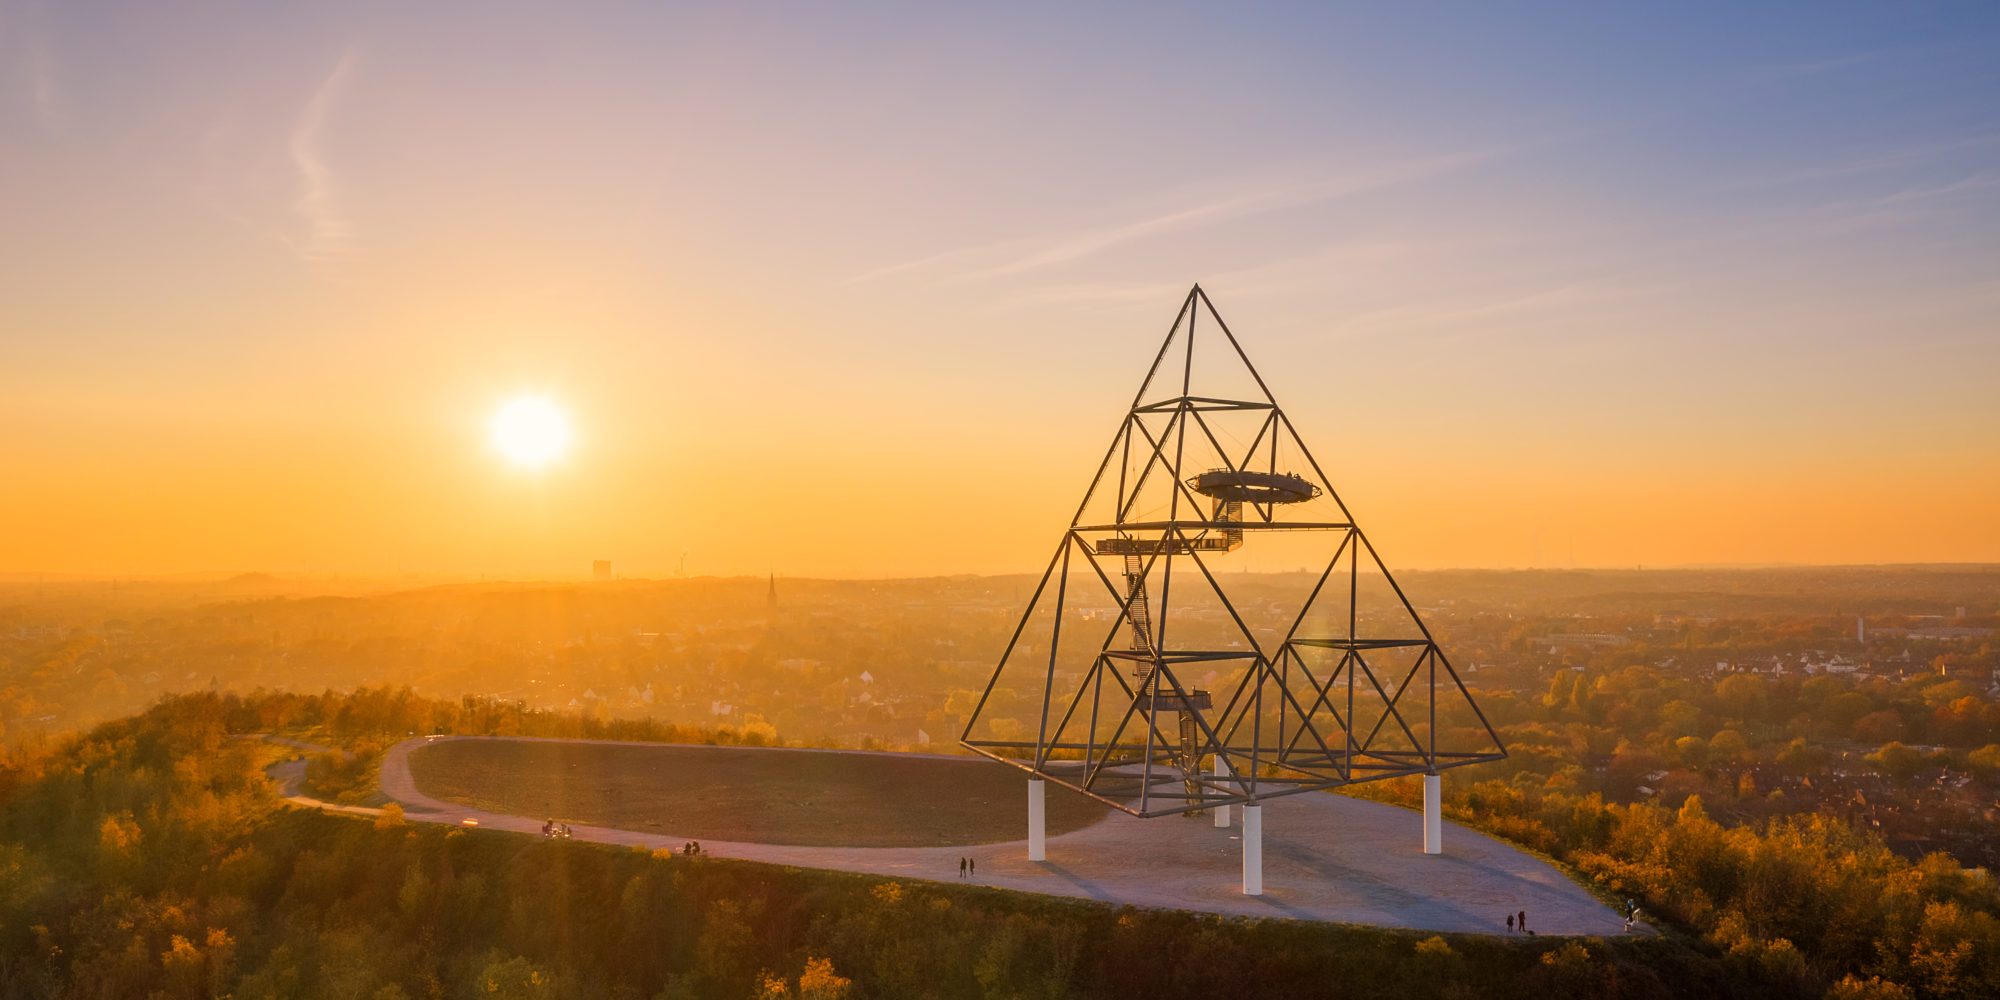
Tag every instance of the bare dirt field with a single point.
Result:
(792, 797)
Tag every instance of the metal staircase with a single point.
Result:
(1138, 611)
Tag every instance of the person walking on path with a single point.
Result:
(972, 865)
(1510, 923)
(961, 867)
(1524, 920)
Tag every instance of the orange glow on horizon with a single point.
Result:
(794, 306)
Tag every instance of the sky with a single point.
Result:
(864, 290)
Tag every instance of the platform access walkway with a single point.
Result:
(1326, 857)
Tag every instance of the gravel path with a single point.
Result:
(290, 777)
(1326, 857)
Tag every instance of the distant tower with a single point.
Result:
(771, 599)
(600, 569)
(1860, 629)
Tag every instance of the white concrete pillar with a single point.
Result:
(1253, 850)
(1038, 846)
(1222, 811)
(1433, 815)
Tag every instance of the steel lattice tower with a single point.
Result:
(1141, 676)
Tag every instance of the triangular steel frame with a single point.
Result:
(1148, 773)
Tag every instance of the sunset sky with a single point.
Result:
(865, 292)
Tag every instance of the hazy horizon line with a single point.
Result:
(439, 579)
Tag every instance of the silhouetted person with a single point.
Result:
(961, 868)
(1510, 923)
(1524, 920)
(972, 865)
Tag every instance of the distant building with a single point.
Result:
(1948, 632)
(601, 569)
(1860, 629)
(1602, 639)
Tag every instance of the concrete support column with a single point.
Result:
(1222, 811)
(1433, 814)
(1253, 850)
(1038, 847)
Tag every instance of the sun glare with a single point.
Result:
(531, 432)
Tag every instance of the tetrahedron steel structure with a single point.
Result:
(1147, 675)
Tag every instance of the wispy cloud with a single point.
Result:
(1904, 204)
(44, 89)
(1964, 185)
(1372, 254)
(32, 70)
(327, 234)
(1250, 196)
(1832, 63)
(918, 264)
(1494, 311)
(1871, 162)
(1081, 244)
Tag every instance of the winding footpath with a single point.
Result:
(1326, 857)
(290, 777)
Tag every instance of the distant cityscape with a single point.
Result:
(1876, 698)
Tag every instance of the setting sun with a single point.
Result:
(531, 432)
(507, 454)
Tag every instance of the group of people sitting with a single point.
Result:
(560, 831)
